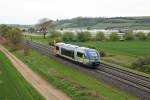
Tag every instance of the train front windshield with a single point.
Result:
(93, 55)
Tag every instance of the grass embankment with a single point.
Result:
(12, 85)
(71, 81)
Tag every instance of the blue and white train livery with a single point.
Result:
(83, 55)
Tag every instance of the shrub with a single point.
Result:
(15, 36)
(91, 46)
(142, 64)
(55, 34)
(128, 36)
(83, 36)
(100, 36)
(148, 35)
(141, 36)
(68, 36)
(102, 53)
(114, 36)
(52, 41)
(4, 30)
(54, 38)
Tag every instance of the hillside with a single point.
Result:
(106, 23)
(139, 23)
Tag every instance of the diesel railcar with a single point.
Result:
(83, 55)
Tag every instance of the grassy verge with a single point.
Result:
(74, 83)
(12, 85)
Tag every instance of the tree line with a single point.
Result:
(91, 21)
(100, 36)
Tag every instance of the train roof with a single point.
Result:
(84, 49)
(67, 46)
(74, 47)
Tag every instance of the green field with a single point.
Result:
(128, 48)
(12, 85)
(38, 39)
(122, 53)
(71, 81)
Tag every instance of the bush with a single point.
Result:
(54, 38)
(100, 36)
(4, 30)
(15, 36)
(128, 36)
(68, 36)
(91, 46)
(148, 35)
(141, 36)
(102, 53)
(52, 41)
(83, 36)
(55, 34)
(142, 64)
(114, 36)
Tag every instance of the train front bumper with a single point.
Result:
(94, 63)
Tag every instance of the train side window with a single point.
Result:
(57, 48)
(79, 54)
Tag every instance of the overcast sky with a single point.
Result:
(30, 11)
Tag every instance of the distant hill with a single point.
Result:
(20, 26)
(106, 23)
(100, 23)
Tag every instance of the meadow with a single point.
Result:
(129, 48)
(121, 53)
(12, 85)
(71, 81)
(38, 39)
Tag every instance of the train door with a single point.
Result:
(57, 49)
(80, 57)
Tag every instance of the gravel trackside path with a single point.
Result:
(42, 86)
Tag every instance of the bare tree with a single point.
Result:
(44, 25)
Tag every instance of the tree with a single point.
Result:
(4, 30)
(68, 36)
(128, 36)
(83, 36)
(100, 36)
(45, 24)
(141, 36)
(31, 30)
(114, 36)
(15, 36)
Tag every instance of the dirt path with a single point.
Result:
(42, 86)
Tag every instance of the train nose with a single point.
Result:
(95, 63)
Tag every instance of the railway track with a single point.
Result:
(130, 82)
